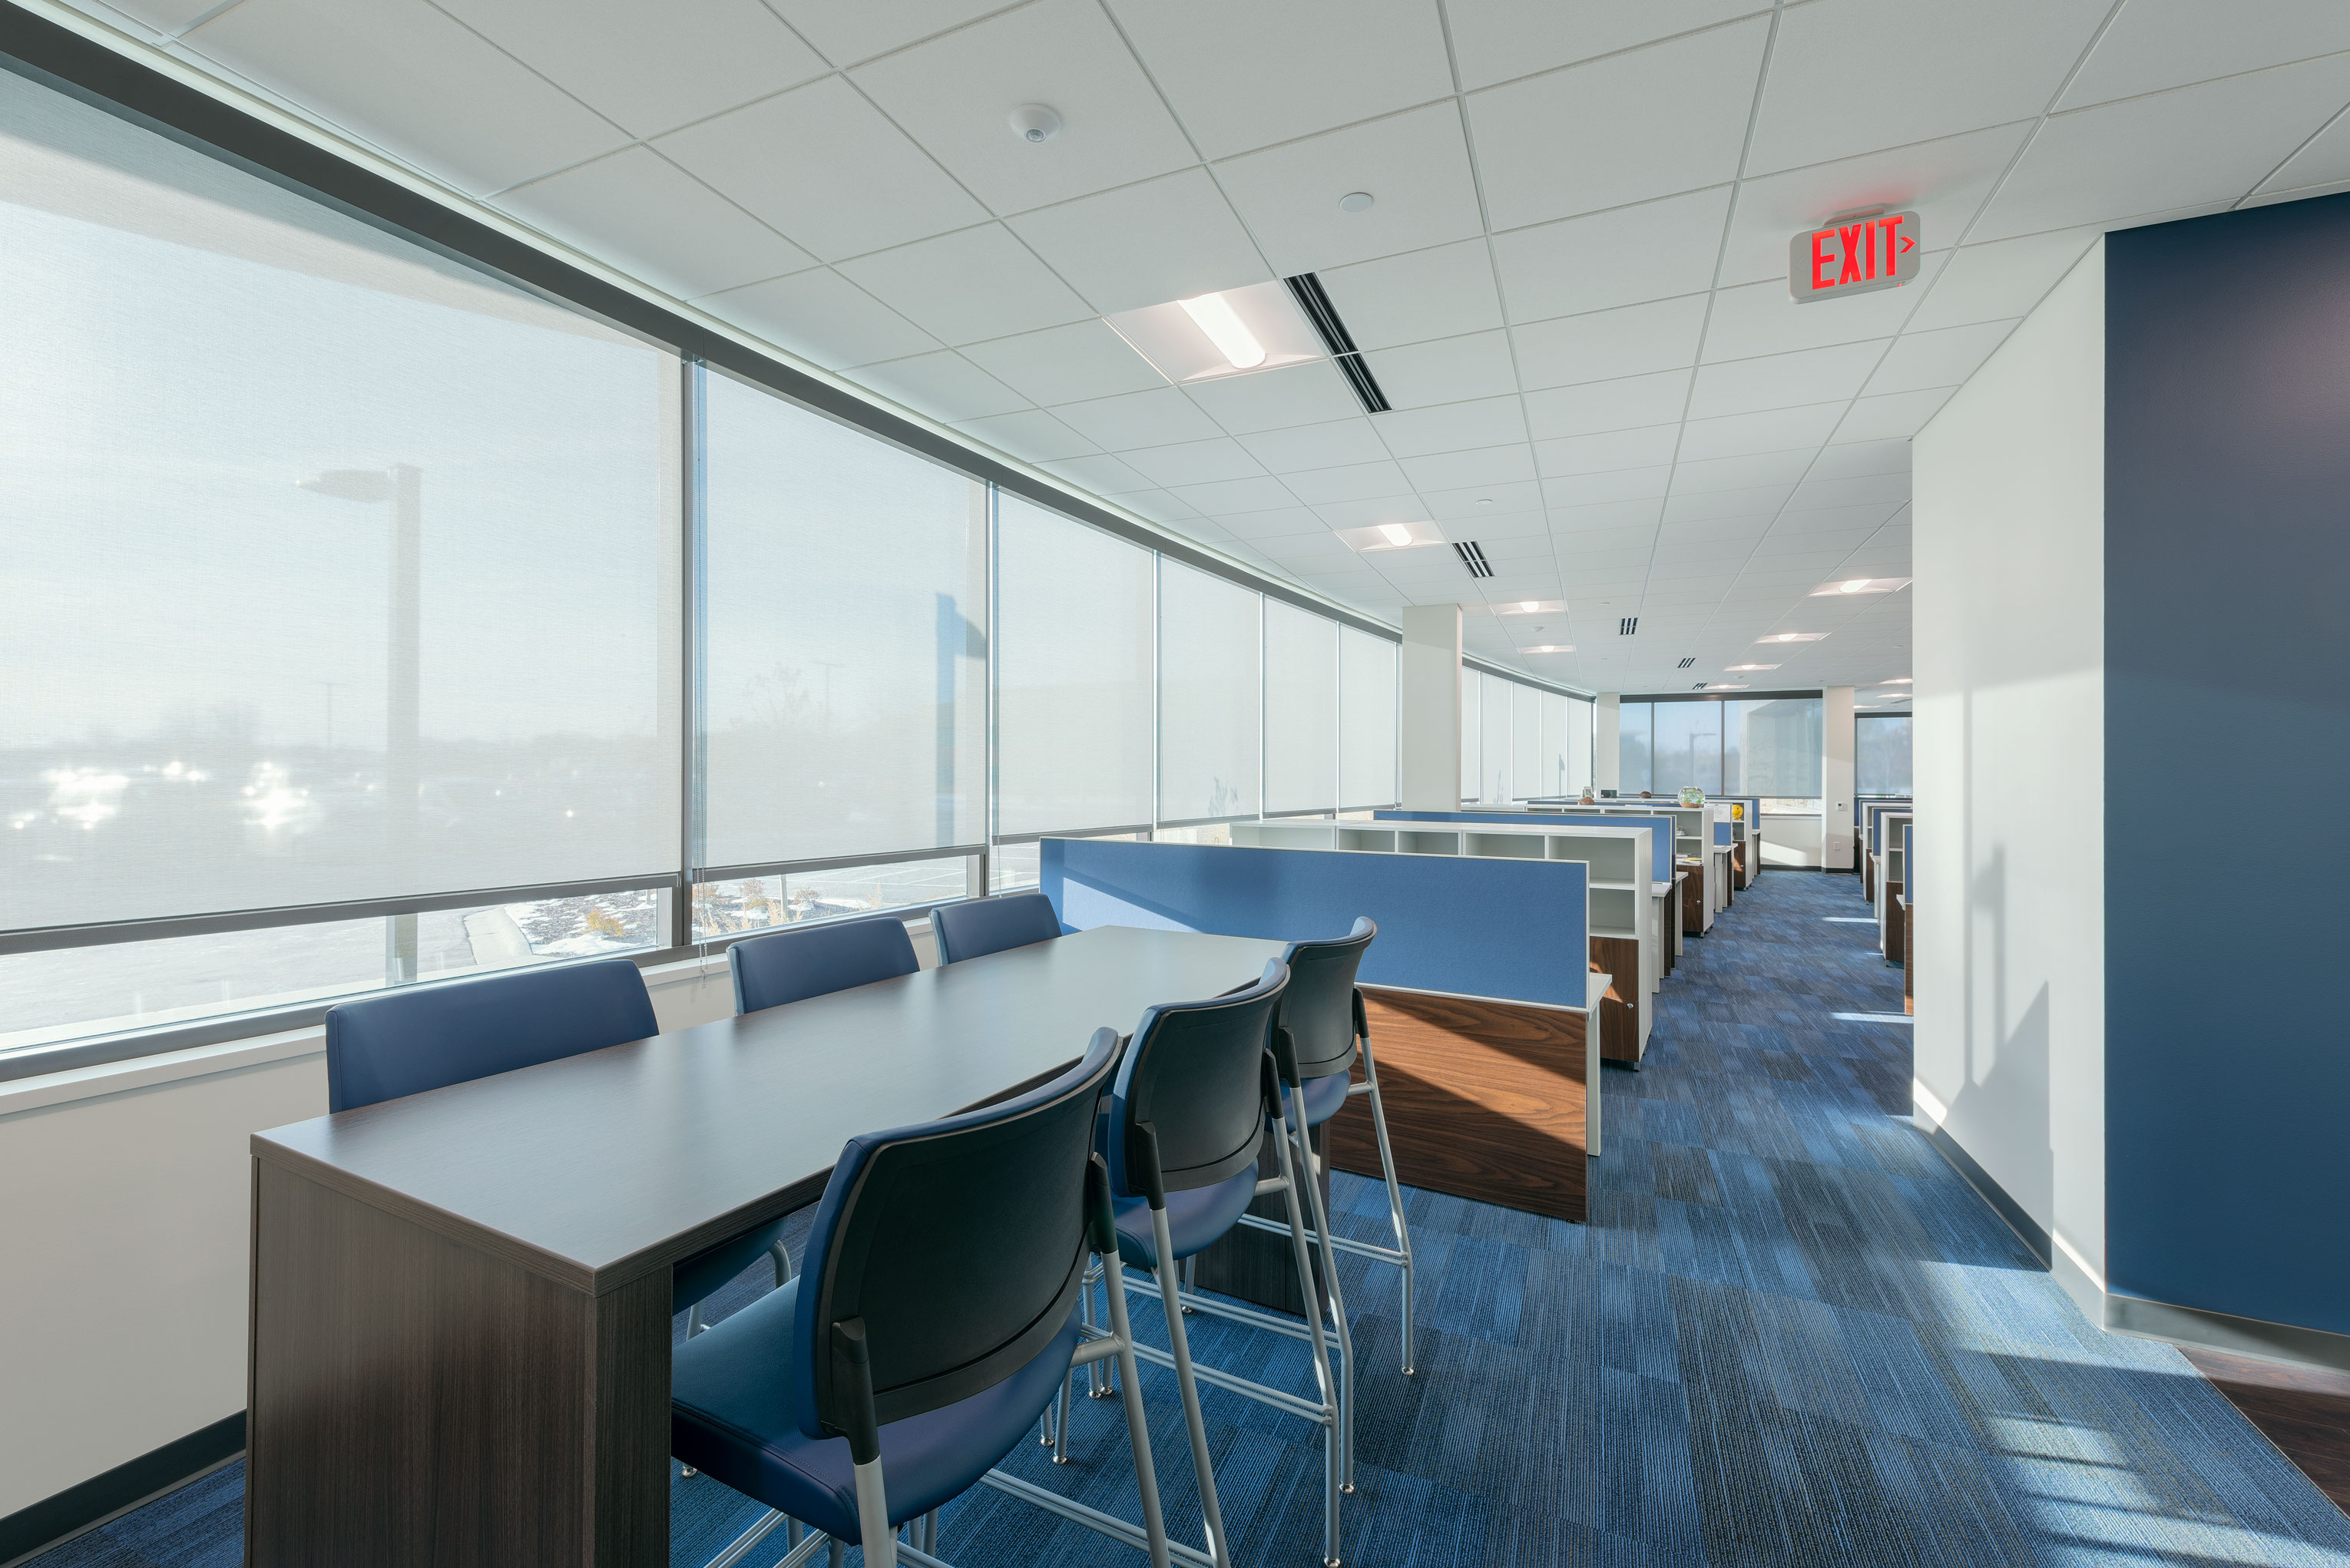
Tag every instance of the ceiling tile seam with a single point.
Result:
(212, 13)
(2197, 82)
(1640, 47)
(1990, 195)
(2328, 124)
(846, 66)
(492, 44)
(1721, 259)
(1501, 297)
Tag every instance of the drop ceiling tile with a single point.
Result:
(1445, 291)
(1497, 41)
(1944, 181)
(1165, 239)
(1451, 427)
(971, 284)
(822, 166)
(1615, 484)
(1715, 536)
(1809, 523)
(1515, 511)
(1030, 436)
(2001, 280)
(1324, 550)
(1759, 501)
(1945, 358)
(1448, 371)
(1067, 363)
(1585, 517)
(1596, 406)
(1258, 494)
(1645, 447)
(413, 81)
(2159, 44)
(1154, 505)
(1193, 462)
(1243, 75)
(1858, 458)
(642, 214)
(1784, 380)
(943, 385)
(1775, 431)
(1851, 76)
(1373, 510)
(1331, 444)
(1276, 400)
(2321, 167)
(1526, 547)
(954, 95)
(1758, 319)
(1102, 475)
(1414, 165)
(2153, 155)
(1635, 340)
(1896, 415)
(1272, 524)
(152, 20)
(848, 31)
(1652, 251)
(1877, 490)
(1741, 473)
(649, 68)
(1648, 123)
(1355, 481)
(1159, 417)
(822, 316)
(1486, 465)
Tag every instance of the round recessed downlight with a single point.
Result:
(1356, 202)
(1036, 123)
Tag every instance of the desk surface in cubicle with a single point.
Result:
(1661, 825)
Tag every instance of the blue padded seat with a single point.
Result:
(731, 1416)
(814, 960)
(1321, 1098)
(1196, 1216)
(977, 927)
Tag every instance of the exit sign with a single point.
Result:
(1854, 255)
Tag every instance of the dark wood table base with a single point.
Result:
(1618, 958)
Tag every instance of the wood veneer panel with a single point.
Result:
(1257, 1266)
(1693, 900)
(1895, 951)
(1484, 1100)
(1908, 945)
(1618, 958)
(2303, 1410)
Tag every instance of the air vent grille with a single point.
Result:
(1473, 558)
(1307, 289)
(1687, 662)
(1628, 626)
(1698, 687)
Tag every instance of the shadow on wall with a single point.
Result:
(2006, 1068)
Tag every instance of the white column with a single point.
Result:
(1835, 778)
(1608, 755)
(1430, 721)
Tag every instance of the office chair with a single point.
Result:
(428, 1037)
(977, 927)
(863, 1396)
(1195, 1096)
(792, 966)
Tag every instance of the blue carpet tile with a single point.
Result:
(1790, 1334)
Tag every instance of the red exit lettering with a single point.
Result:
(1856, 256)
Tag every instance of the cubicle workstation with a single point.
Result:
(1909, 917)
(1891, 867)
(1479, 994)
(1870, 840)
(1746, 836)
(1669, 884)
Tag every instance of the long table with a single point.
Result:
(460, 1328)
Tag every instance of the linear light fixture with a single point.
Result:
(1897, 680)
(1859, 585)
(1749, 667)
(1549, 648)
(1793, 637)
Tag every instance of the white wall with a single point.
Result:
(2009, 627)
(1607, 753)
(1429, 717)
(124, 1226)
(1835, 777)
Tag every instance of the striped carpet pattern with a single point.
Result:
(1790, 1335)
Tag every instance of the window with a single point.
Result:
(1366, 720)
(844, 636)
(1580, 721)
(1209, 689)
(1687, 747)
(1528, 776)
(1301, 710)
(1472, 728)
(734, 905)
(1498, 735)
(1881, 754)
(1633, 744)
(1072, 675)
(1777, 749)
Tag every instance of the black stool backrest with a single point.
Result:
(1191, 1103)
(945, 1256)
(1320, 1013)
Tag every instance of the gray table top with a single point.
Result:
(597, 1168)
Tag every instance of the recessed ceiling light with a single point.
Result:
(1749, 667)
(1356, 202)
(1723, 686)
(1414, 535)
(1897, 680)
(1395, 533)
(1213, 315)
(1033, 122)
(1549, 648)
(1793, 637)
(1529, 606)
(1860, 586)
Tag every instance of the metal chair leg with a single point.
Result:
(1332, 1437)
(1395, 1196)
(1295, 1125)
(1138, 1421)
(1170, 1296)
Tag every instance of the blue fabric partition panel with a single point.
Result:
(1722, 833)
(1513, 929)
(1660, 840)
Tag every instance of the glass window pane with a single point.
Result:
(1881, 754)
(759, 903)
(1687, 747)
(1550, 743)
(1634, 740)
(1011, 867)
(1525, 752)
(1579, 721)
(1366, 720)
(846, 637)
(1472, 728)
(1495, 727)
(336, 571)
(1779, 747)
(1072, 672)
(1301, 710)
(1209, 689)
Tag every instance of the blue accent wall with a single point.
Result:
(2227, 647)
